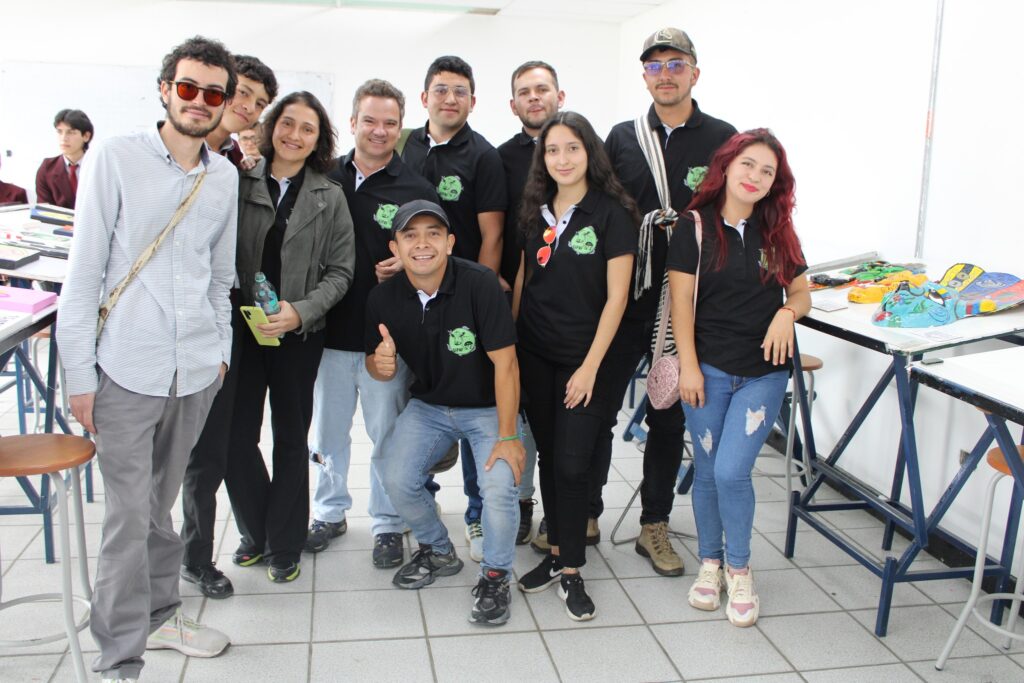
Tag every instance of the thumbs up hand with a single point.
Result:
(384, 355)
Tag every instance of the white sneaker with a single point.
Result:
(706, 589)
(741, 591)
(187, 637)
(475, 536)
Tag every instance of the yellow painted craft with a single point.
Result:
(872, 293)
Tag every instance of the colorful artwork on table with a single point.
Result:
(871, 271)
(872, 292)
(965, 290)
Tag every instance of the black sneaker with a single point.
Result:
(283, 571)
(425, 566)
(211, 581)
(246, 556)
(542, 576)
(320, 534)
(492, 599)
(578, 604)
(540, 541)
(525, 521)
(387, 551)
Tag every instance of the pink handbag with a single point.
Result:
(663, 378)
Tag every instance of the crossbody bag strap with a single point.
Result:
(650, 146)
(147, 254)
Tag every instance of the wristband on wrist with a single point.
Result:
(787, 308)
(514, 437)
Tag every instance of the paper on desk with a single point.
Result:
(829, 300)
(933, 334)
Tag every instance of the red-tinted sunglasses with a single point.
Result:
(188, 92)
(544, 253)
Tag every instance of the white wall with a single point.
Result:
(845, 86)
(351, 45)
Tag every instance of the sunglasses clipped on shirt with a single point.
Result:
(676, 67)
(544, 253)
(189, 91)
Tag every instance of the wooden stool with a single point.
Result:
(53, 454)
(997, 461)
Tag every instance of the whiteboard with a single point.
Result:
(117, 99)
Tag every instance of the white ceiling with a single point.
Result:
(591, 10)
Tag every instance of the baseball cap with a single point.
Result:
(673, 38)
(406, 212)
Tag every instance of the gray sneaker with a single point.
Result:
(320, 534)
(425, 566)
(187, 637)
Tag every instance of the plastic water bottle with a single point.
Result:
(266, 297)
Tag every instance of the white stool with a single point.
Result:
(52, 455)
(997, 461)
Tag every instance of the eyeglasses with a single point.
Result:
(461, 91)
(544, 253)
(675, 67)
(188, 92)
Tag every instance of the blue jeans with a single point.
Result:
(341, 380)
(469, 485)
(422, 435)
(727, 434)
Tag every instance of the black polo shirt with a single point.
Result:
(734, 307)
(467, 174)
(562, 302)
(373, 206)
(516, 156)
(687, 152)
(446, 344)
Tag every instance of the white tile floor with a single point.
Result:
(343, 621)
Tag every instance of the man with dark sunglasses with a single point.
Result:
(257, 88)
(449, 321)
(143, 384)
(470, 180)
(688, 138)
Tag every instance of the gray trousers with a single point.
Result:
(142, 444)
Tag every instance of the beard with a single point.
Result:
(193, 130)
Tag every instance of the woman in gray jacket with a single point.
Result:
(294, 226)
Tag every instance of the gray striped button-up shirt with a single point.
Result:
(175, 316)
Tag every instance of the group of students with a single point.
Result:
(452, 289)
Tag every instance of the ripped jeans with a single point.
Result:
(727, 434)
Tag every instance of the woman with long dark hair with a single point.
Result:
(735, 351)
(294, 227)
(579, 232)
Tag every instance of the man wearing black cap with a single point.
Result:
(687, 137)
(450, 321)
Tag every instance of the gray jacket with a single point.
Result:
(318, 254)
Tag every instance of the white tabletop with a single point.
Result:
(994, 375)
(44, 269)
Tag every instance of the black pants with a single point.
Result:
(567, 443)
(663, 451)
(208, 461)
(272, 513)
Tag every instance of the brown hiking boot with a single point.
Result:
(540, 541)
(654, 544)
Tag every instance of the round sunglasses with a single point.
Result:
(188, 92)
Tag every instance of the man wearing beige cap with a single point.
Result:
(687, 138)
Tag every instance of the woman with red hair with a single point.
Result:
(735, 349)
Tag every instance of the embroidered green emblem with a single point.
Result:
(450, 188)
(695, 176)
(461, 341)
(385, 214)
(584, 242)
(762, 259)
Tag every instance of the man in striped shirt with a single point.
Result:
(144, 387)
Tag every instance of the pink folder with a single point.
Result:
(25, 300)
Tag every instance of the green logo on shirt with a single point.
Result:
(584, 242)
(385, 214)
(695, 176)
(450, 188)
(461, 341)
